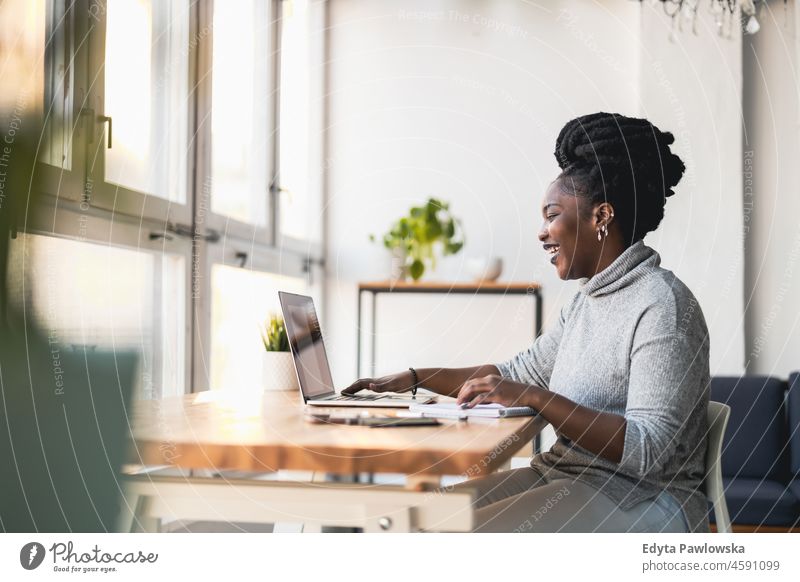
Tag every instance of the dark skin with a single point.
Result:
(570, 226)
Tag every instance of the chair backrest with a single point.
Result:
(64, 434)
(718, 415)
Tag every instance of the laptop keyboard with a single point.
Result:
(354, 397)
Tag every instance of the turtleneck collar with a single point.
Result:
(634, 263)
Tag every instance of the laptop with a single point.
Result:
(311, 362)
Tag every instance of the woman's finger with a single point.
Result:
(471, 390)
(479, 399)
(358, 385)
(471, 384)
(465, 389)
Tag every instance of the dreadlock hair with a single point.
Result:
(625, 161)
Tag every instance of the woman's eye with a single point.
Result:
(551, 216)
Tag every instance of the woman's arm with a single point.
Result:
(446, 381)
(601, 433)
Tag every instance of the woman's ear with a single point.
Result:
(603, 214)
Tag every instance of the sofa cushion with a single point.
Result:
(755, 443)
(793, 405)
(757, 502)
(794, 487)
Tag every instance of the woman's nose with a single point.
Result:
(543, 234)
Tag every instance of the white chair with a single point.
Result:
(718, 414)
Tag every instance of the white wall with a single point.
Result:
(772, 183)
(692, 87)
(462, 100)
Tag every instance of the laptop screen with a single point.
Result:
(308, 349)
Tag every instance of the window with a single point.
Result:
(62, 154)
(59, 80)
(241, 156)
(146, 97)
(242, 301)
(163, 231)
(89, 296)
(139, 148)
(300, 121)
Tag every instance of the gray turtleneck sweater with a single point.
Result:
(633, 342)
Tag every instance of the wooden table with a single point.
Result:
(258, 433)
(376, 288)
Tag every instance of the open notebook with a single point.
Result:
(453, 410)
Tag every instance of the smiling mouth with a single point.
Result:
(552, 250)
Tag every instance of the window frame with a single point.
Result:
(190, 230)
(227, 226)
(259, 258)
(80, 222)
(313, 248)
(108, 195)
(61, 183)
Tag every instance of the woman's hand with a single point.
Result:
(496, 389)
(392, 383)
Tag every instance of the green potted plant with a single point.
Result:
(277, 365)
(413, 239)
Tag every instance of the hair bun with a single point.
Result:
(621, 158)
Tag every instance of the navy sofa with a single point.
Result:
(761, 449)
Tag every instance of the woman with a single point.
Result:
(623, 374)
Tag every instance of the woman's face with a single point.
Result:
(569, 234)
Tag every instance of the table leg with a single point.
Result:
(142, 520)
(358, 336)
(127, 513)
(537, 331)
(334, 478)
(315, 527)
(372, 353)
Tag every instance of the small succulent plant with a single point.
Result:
(273, 334)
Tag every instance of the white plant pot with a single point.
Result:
(277, 371)
(398, 271)
(484, 269)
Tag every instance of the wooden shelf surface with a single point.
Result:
(514, 287)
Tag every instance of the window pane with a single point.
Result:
(58, 87)
(242, 300)
(83, 294)
(240, 109)
(300, 201)
(146, 95)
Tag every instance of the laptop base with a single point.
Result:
(388, 402)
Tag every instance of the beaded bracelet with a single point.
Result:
(416, 382)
